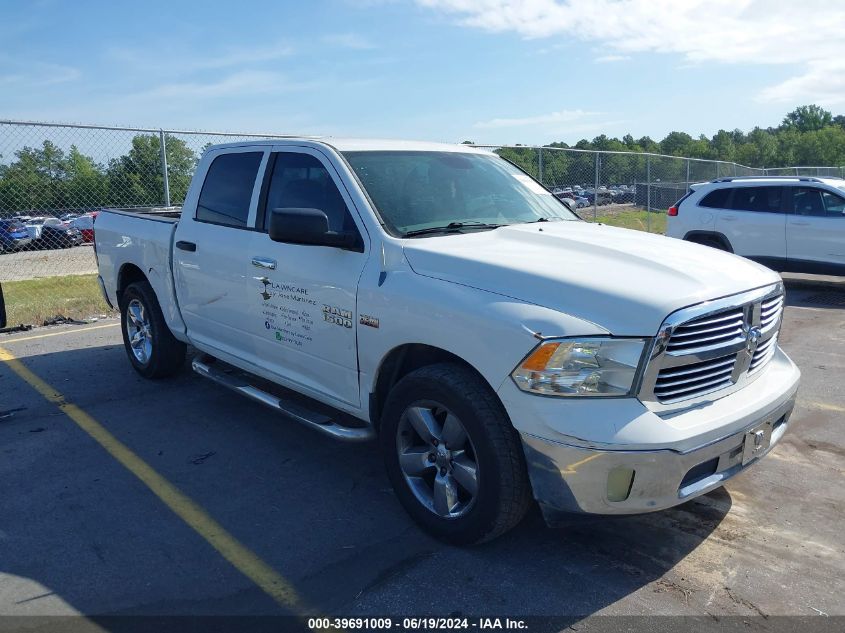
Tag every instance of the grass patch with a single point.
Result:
(36, 300)
(638, 219)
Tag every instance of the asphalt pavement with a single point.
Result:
(242, 511)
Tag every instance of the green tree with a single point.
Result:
(676, 144)
(136, 177)
(807, 118)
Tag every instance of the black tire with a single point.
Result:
(167, 354)
(712, 242)
(504, 493)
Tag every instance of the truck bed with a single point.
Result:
(139, 239)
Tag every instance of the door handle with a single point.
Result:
(800, 223)
(186, 246)
(729, 218)
(263, 262)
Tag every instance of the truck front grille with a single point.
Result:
(714, 347)
(687, 381)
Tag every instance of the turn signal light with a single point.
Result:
(673, 211)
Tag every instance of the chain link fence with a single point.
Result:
(55, 178)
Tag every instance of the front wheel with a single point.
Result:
(452, 455)
(152, 349)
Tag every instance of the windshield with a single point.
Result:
(417, 190)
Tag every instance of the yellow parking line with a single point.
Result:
(242, 558)
(32, 338)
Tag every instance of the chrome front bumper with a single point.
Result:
(575, 479)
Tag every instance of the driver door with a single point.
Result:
(303, 298)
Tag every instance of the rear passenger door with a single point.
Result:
(815, 231)
(754, 223)
(211, 265)
(303, 298)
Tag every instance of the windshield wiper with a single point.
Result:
(452, 227)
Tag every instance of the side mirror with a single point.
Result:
(307, 226)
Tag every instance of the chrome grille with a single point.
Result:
(679, 383)
(709, 330)
(763, 354)
(713, 347)
(770, 312)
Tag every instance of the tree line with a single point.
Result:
(50, 178)
(807, 136)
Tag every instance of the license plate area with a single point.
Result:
(756, 442)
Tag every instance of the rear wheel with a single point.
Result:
(712, 242)
(452, 455)
(152, 349)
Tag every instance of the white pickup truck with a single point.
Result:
(440, 299)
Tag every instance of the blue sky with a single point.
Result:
(491, 71)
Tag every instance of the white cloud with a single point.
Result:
(608, 59)
(250, 82)
(210, 60)
(825, 80)
(35, 74)
(552, 118)
(724, 31)
(349, 40)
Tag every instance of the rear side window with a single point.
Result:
(227, 190)
(761, 199)
(717, 199)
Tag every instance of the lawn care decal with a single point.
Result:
(288, 312)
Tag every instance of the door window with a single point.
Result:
(302, 181)
(227, 190)
(761, 199)
(817, 202)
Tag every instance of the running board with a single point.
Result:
(235, 380)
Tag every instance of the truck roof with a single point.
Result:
(360, 144)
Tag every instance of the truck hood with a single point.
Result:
(624, 281)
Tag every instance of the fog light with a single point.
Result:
(619, 482)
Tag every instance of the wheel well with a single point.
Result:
(129, 274)
(400, 362)
(698, 237)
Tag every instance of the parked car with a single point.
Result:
(13, 236)
(58, 234)
(34, 226)
(85, 225)
(500, 349)
(67, 217)
(581, 202)
(790, 224)
(603, 197)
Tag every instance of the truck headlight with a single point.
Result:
(581, 367)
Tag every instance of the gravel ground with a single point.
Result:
(24, 265)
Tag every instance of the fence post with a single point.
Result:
(596, 189)
(163, 148)
(540, 165)
(648, 192)
(688, 182)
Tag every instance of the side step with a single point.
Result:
(317, 417)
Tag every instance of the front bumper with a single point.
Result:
(573, 478)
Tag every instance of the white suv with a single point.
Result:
(790, 224)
